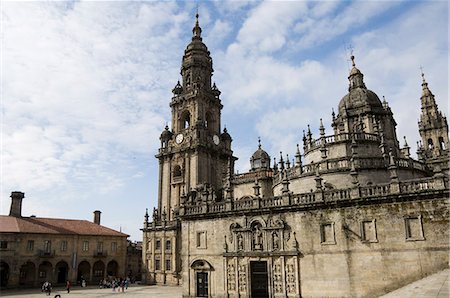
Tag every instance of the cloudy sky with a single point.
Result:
(85, 86)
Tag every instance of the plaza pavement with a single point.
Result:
(134, 291)
(433, 286)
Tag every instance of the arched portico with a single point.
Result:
(45, 271)
(98, 271)
(61, 272)
(27, 275)
(84, 271)
(4, 274)
(113, 268)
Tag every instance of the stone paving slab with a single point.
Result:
(135, 291)
(433, 286)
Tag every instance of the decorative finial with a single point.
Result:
(352, 57)
(423, 75)
(259, 143)
(197, 30)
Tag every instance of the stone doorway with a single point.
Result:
(259, 279)
(202, 284)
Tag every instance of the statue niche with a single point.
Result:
(257, 236)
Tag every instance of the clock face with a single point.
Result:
(216, 139)
(179, 138)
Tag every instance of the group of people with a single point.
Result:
(115, 283)
(47, 287)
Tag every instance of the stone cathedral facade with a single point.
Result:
(352, 215)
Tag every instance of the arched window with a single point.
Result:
(441, 143)
(430, 144)
(185, 120)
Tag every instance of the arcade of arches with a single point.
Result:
(32, 274)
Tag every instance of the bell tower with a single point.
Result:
(195, 154)
(433, 129)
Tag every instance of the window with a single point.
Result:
(47, 246)
(168, 245)
(413, 228)
(85, 246)
(327, 233)
(177, 171)
(157, 264)
(168, 263)
(30, 245)
(63, 245)
(99, 247)
(201, 239)
(3, 244)
(430, 144)
(368, 231)
(158, 244)
(441, 143)
(42, 274)
(98, 273)
(113, 246)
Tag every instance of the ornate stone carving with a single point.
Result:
(231, 276)
(277, 276)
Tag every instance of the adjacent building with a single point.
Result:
(352, 215)
(35, 249)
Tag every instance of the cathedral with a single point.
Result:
(353, 215)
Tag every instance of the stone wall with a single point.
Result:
(340, 251)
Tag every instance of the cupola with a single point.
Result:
(260, 159)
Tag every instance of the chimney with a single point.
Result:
(97, 216)
(16, 203)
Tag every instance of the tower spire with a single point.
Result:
(196, 31)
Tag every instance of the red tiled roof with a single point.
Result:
(38, 225)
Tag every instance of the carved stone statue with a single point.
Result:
(257, 238)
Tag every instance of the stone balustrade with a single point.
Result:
(321, 197)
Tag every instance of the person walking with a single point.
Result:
(68, 286)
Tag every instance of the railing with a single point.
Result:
(360, 136)
(376, 190)
(417, 185)
(317, 197)
(46, 254)
(100, 254)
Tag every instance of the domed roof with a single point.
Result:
(260, 159)
(359, 97)
(260, 153)
(166, 134)
(225, 136)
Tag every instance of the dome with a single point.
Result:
(358, 98)
(260, 159)
(225, 136)
(166, 134)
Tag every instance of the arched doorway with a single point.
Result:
(201, 274)
(27, 274)
(84, 271)
(113, 268)
(99, 271)
(61, 272)
(4, 274)
(45, 272)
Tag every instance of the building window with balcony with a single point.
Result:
(157, 264)
(113, 246)
(63, 245)
(168, 265)
(47, 246)
(30, 245)
(85, 246)
(3, 244)
(168, 245)
(158, 244)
